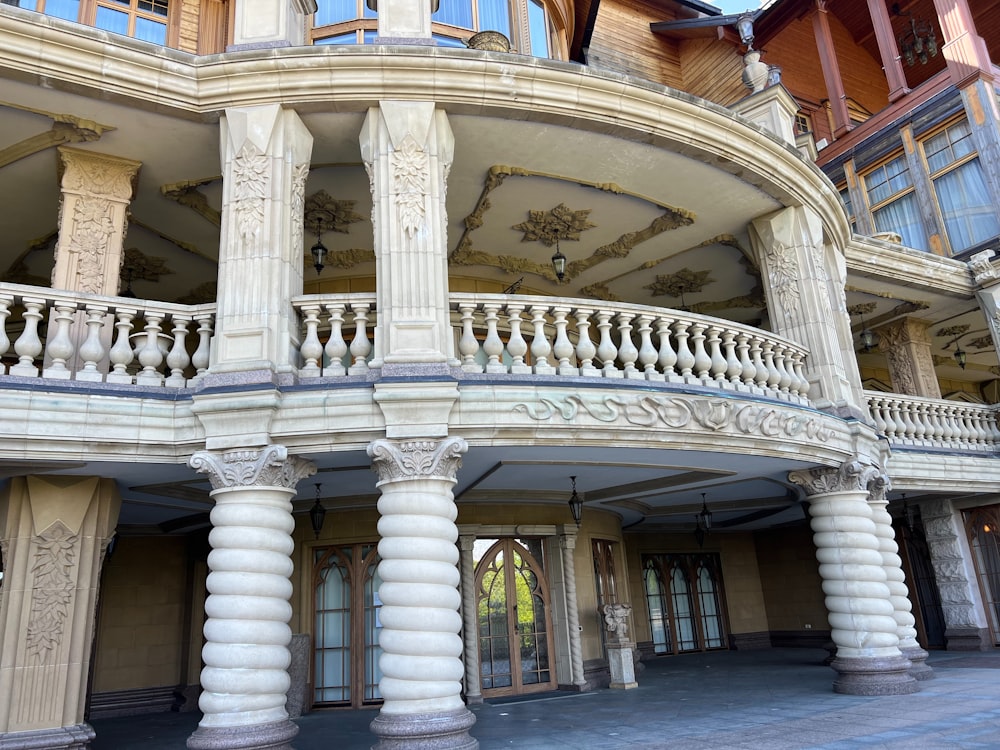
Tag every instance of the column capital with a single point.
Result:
(396, 460)
(567, 536)
(983, 271)
(850, 476)
(269, 466)
(878, 488)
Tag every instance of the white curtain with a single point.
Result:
(966, 206)
(903, 217)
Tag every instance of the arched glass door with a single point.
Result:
(515, 638)
(346, 582)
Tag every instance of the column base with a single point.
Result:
(873, 675)
(968, 639)
(59, 738)
(918, 663)
(441, 731)
(277, 735)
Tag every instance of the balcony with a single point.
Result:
(916, 423)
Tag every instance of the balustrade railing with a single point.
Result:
(67, 336)
(934, 423)
(525, 335)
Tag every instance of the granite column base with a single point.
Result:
(439, 731)
(874, 675)
(918, 663)
(277, 735)
(59, 738)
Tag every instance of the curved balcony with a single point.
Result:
(934, 424)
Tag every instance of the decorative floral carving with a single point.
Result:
(982, 342)
(678, 284)
(251, 171)
(559, 223)
(982, 269)
(93, 225)
(411, 459)
(952, 330)
(616, 620)
(300, 173)
(850, 476)
(137, 265)
(270, 466)
(676, 412)
(410, 168)
(863, 308)
(87, 173)
(324, 213)
(783, 271)
(51, 590)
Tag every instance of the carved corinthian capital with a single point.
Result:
(270, 466)
(417, 459)
(850, 476)
(878, 487)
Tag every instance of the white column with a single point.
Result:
(899, 594)
(861, 613)
(246, 656)
(804, 284)
(54, 532)
(404, 21)
(261, 24)
(421, 650)
(470, 619)
(265, 161)
(567, 543)
(407, 149)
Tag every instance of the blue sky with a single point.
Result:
(734, 6)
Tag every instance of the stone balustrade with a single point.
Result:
(528, 335)
(86, 337)
(934, 423)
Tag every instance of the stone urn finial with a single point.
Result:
(755, 73)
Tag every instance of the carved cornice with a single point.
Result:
(681, 412)
(417, 459)
(65, 129)
(850, 476)
(270, 466)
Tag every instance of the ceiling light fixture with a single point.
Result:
(559, 262)
(317, 513)
(576, 505)
(319, 252)
(918, 42)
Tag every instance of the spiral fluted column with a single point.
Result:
(421, 658)
(246, 655)
(861, 614)
(567, 542)
(470, 619)
(899, 594)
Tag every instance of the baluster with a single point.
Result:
(667, 358)
(773, 376)
(760, 369)
(336, 348)
(517, 347)
(540, 347)
(685, 359)
(875, 408)
(28, 346)
(702, 362)
(781, 357)
(994, 428)
(975, 427)
(717, 370)
(888, 409)
(6, 301)
(607, 352)
(178, 359)
(361, 347)
(920, 421)
(150, 355)
(966, 434)
(733, 366)
(585, 349)
(60, 347)
(802, 387)
(937, 429)
(906, 410)
(563, 348)
(121, 354)
(627, 352)
(311, 349)
(647, 352)
(92, 350)
(948, 431)
(747, 371)
(493, 345)
(202, 355)
(468, 345)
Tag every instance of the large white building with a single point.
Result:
(345, 366)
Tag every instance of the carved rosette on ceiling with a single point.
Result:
(417, 459)
(850, 476)
(680, 283)
(137, 265)
(251, 175)
(983, 342)
(51, 590)
(677, 413)
(863, 308)
(558, 223)
(270, 466)
(952, 330)
(410, 167)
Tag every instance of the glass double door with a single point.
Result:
(515, 634)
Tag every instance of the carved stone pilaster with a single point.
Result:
(906, 344)
(93, 215)
(470, 619)
(567, 543)
(246, 655)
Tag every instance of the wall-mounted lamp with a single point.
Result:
(576, 504)
(317, 513)
(559, 262)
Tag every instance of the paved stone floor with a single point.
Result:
(778, 699)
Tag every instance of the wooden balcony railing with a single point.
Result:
(934, 423)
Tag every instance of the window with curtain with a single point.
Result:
(845, 196)
(148, 20)
(967, 209)
(893, 202)
(525, 22)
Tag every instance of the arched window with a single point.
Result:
(684, 601)
(525, 22)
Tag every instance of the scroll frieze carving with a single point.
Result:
(850, 476)
(783, 272)
(412, 459)
(681, 413)
(52, 589)
(270, 466)
(410, 170)
(250, 177)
